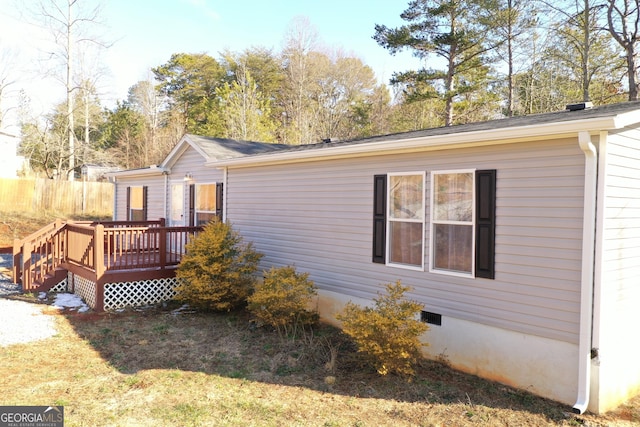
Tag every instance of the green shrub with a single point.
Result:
(217, 271)
(283, 300)
(388, 334)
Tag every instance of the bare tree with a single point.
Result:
(145, 99)
(7, 57)
(623, 18)
(513, 24)
(69, 22)
(300, 41)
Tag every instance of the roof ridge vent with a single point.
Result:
(580, 106)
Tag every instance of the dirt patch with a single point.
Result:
(17, 225)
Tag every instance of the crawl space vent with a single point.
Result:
(431, 318)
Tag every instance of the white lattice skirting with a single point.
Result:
(133, 294)
(86, 289)
(62, 286)
(121, 294)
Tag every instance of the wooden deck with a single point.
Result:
(101, 252)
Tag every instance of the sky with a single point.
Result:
(145, 33)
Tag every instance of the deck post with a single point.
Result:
(98, 253)
(57, 245)
(98, 250)
(99, 296)
(162, 246)
(26, 267)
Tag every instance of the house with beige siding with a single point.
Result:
(520, 236)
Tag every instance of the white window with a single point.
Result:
(405, 223)
(452, 222)
(205, 203)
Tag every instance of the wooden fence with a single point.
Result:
(66, 197)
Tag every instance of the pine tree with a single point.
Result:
(452, 31)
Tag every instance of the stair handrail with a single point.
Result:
(24, 266)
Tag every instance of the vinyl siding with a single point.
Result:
(618, 269)
(155, 196)
(190, 161)
(318, 216)
(621, 234)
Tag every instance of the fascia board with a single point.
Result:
(433, 142)
(627, 119)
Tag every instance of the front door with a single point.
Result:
(176, 218)
(176, 241)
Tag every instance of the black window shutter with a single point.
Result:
(192, 205)
(485, 223)
(128, 216)
(219, 200)
(144, 203)
(379, 218)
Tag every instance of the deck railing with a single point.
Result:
(37, 254)
(142, 247)
(98, 248)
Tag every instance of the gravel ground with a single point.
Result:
(7, 287)
(20, 322)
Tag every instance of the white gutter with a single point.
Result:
(150, 171)
(567, 128)
(588, 260)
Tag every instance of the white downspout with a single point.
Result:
(164, 201)
(114, 217)
(588, 259)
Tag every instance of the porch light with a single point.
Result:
(188, 177)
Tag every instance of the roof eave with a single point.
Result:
(179, 149)
(436, 142)
(131, 173)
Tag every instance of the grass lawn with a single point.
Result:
(162, 367)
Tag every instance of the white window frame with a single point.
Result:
(434, 222)
(420, 220)
(195, 207)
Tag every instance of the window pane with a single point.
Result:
(135, 198)
(453, 198)
(405, 196)
(137, 215)
(405, 243)
(453, 247)
(206, 197)
(204, 218)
